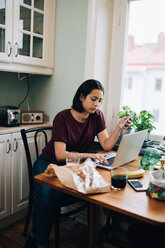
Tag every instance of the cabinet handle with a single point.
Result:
(16, 49)
(15, 145)
(9, 48)
(8, 146)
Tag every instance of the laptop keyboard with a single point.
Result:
(109, 160)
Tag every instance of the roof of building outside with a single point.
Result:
(147, 55)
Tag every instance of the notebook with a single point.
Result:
(128, 150)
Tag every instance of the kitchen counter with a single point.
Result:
(7, 130)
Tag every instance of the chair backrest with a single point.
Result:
(35, 131)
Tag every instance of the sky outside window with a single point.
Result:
(147, 20)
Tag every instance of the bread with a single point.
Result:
(51, 170)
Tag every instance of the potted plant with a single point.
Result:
(140, 122)
(144, 121)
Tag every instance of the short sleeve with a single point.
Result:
(60, 132)
(100, 122)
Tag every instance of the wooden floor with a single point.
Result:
(76, 237)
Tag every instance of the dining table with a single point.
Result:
(138, 206)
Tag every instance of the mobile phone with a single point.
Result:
(137, 185)
(129, 117)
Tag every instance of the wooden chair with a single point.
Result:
(36, 132)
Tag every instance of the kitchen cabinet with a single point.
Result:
(14, 180)
(19, 174)
(27, 29)
(14, 186)
(5, 149)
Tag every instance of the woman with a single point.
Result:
(74, 130)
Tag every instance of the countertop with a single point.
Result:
(8, 130)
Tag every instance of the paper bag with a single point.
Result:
(83, 178)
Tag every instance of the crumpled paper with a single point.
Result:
(83, 178)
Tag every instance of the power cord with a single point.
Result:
(28, 86)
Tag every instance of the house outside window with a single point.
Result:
(158, 84)
(156, 115)
(129, 83)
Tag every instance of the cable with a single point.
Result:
(28, 84)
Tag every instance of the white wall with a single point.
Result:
(55, 93)
(12, 91)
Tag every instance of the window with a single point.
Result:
(158, 84)
(156, 115)
(110, 25)
(145, 60)
(129, 83)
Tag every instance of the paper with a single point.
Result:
(83, 178)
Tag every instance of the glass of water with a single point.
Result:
(73, 158)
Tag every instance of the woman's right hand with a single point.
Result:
(96, 156)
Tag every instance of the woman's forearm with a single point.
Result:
(111, 140)
(108, 141)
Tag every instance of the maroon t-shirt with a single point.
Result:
(78, 137)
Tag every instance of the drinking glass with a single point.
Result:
(119, 178)
(72, 158)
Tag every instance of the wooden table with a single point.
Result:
(128, 202)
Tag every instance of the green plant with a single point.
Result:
(144, 121)
(140, 122)
(126, 110)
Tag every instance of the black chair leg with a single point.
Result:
(28, 216)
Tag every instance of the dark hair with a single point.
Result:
(85, 89)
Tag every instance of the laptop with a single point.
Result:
(128, 150)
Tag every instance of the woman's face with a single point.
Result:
(92, 101)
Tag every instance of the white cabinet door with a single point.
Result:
(5, 30)
(5, 177)
(19, 175)
(27, 30)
